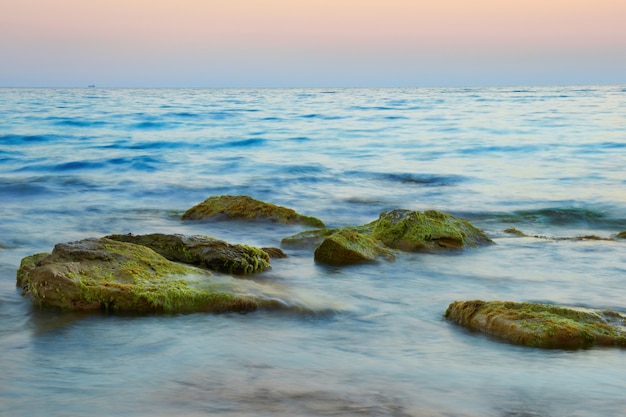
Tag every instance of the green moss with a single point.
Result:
(514, 231)
(621, 235)
(26, 266)
(119, 276)
(414, 230)
(247, 208)
(307, 238)
(349, 246)
(203, 251)
(541, 325)
(158, 295)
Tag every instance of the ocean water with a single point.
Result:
(549, 161)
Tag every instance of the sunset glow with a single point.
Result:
(310, 42)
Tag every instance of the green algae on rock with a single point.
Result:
(307, 239)
(203, 251)
(621, 235)
(349, 246)
(247, 208)
(541, 325)
(104, 274)
(429, 230)
(514, 231)
(310, 239)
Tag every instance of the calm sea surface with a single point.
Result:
(550, 161)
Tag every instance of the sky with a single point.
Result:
(311, 43)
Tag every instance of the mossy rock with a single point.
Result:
(348, 246)
(516, 232)
(307, 239)
(203, 251)
(541, 325)
(310, 239)
(424, 231)
(105, 274)
(246, 208)
(621, 235)
(275, 253)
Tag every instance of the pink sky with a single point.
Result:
(208, 43)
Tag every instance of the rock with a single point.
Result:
(246, 208)
(203, 251)
(514, 231)
(348, 246)
(105, 274)
(275, 253)
(621, 235)
(423, 231)
(307, 239)
(541, 325)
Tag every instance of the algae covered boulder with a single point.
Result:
(105, 274)
(621, 235)
(423, 231)
(541, 325)
(307, 239)
(246, 208)
(203, 251)
(348, 246)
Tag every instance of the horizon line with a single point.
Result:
(504, 85)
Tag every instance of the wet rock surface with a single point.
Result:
(203, 251)
(425, 231)
(105, 274)
(540, 325)
(229, 207)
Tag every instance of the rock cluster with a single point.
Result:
(105, 274)
(176, 273)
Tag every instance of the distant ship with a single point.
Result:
(91, 86)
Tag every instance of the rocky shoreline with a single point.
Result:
(174, 273)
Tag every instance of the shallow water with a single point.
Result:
(76, 163)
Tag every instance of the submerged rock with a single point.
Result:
(307, 239)
(246, 208)
(348, 246)
(541, 325)
(105, 274)
(429, 230)
(203, 251)
(275, 253)
(514, 231)
(397, 229)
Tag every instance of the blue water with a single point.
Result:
(549, 161)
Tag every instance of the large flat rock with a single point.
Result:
(540, 325)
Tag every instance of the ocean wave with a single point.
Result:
(432, 180)
(244, 143)
(150, 125)
(561, 216)
(156, 145)
(565, 216)
(512, 149)
(140, 163)
(320, 116)
(76, 165)
(26, 139)
(46, 184)
(183, 114)
(79, 123)
(21, 188)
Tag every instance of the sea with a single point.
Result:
(371, 339)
